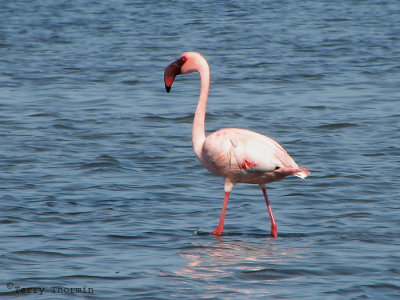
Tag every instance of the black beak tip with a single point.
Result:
(167, 88)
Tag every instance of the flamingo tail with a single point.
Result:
(302, 173)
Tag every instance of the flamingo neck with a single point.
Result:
(199, 133)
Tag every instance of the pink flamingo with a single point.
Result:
(238, 155)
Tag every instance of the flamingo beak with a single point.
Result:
(170, 72)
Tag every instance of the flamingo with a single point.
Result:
(238, 155)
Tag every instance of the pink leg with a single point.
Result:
(220, 227)
(274, 228)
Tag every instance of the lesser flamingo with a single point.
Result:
(238, 155)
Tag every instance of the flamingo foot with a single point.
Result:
(274, 231)
(217, 231)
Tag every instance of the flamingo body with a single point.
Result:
(241, 155)
(238, 155)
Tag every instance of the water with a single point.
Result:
(102, 197)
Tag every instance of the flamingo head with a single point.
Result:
(172, 70)
(188, 62)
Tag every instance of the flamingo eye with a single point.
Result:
(183, 58)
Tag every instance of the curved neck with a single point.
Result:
(199, 132)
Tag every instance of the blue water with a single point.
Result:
(101, 196)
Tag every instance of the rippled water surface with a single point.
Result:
(102, 196)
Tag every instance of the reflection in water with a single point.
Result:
(230, 258)
(242, 266)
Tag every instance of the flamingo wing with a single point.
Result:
(232, 150)
(254, 152)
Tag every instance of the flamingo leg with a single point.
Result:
(220, 227)
(274, 228)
